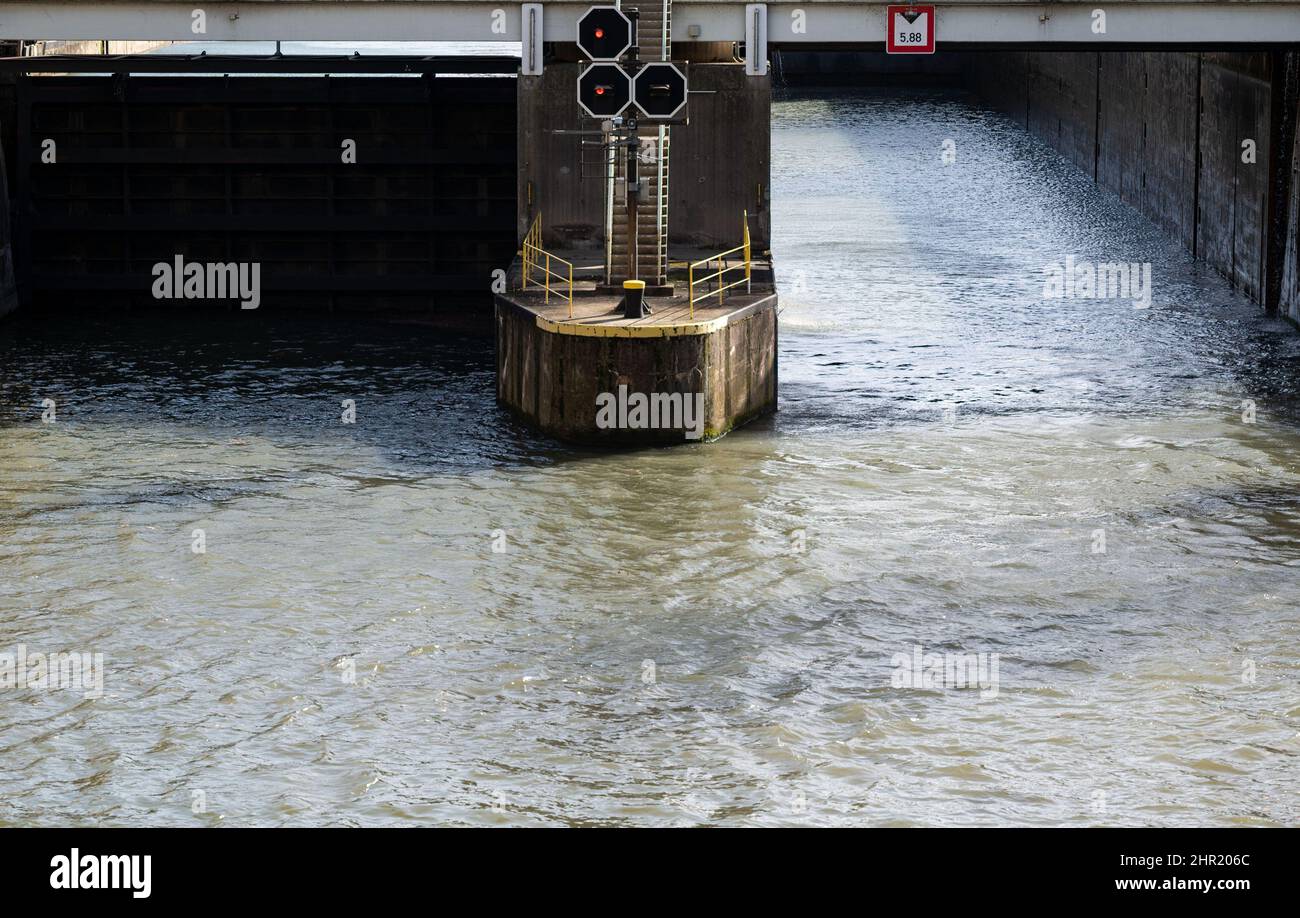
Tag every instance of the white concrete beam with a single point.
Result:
(284, 20)
(1153, 23)
(841, 22)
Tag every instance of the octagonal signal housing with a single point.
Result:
(659, 90)
(604, 90)
(604, 33)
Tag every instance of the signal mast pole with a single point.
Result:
(633, 188)
(633, 156)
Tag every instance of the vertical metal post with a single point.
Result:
(528, 252)
(744, 219)
(661, 255)
(664, 44)
(611, 161)
(633, 159)
(633, 190)
(532, 36)
(756, 39)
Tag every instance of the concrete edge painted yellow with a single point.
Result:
(680, 330)
(633, 331)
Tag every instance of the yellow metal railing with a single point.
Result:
(538, 259)
(721, 274)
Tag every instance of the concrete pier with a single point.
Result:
(557, 366)
(579, 370)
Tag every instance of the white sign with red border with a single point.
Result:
(909, 29)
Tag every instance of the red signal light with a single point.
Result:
(600, 33)
(600, 90)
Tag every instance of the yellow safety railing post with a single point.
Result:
(530, 240)
(745, 249)
(744, 219)
(537, 258)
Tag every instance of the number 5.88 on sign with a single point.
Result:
(909, 30)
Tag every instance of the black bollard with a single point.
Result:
(634, 306)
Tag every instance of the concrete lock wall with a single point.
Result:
(1165, 131)
(718, 163)
(1284, 219)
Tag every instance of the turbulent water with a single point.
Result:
(698, 635)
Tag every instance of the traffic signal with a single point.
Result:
(604, 90)
(659, 90)
(604, 33)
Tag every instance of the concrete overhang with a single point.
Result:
(838, 23)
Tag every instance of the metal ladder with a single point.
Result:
(654, 37)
